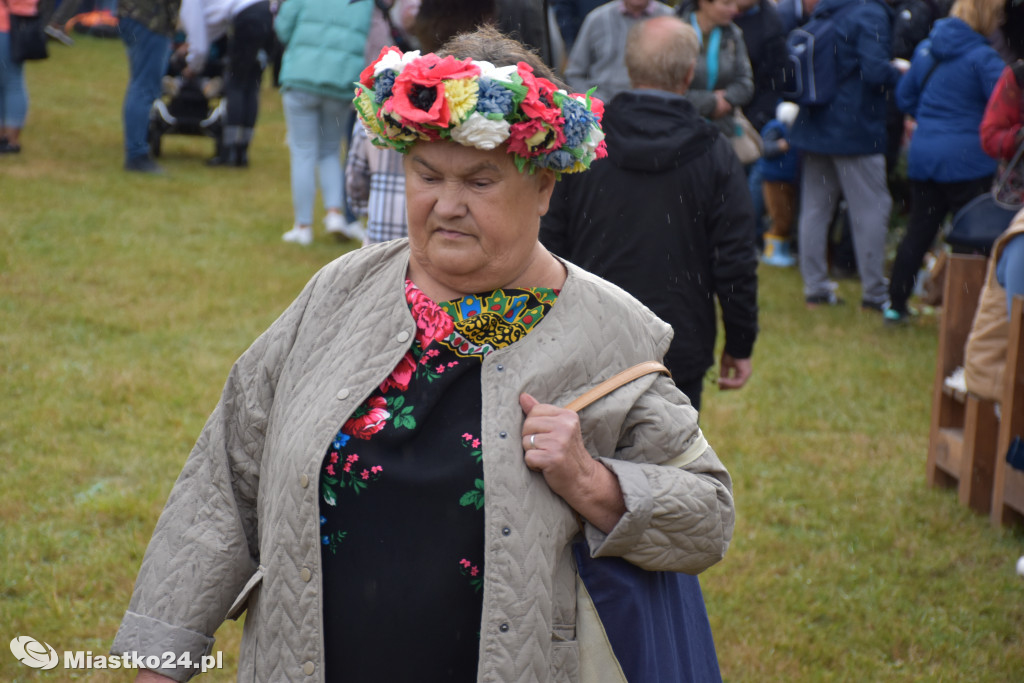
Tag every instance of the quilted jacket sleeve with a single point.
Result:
(205, 545)
(678, 495)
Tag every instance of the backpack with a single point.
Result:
(813, 66)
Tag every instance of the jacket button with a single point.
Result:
(503, 628)
(305, 574)
(304, 481)
(503, 435)
(308, 668)
(343, 394)
(506, 531)
(402, 337)
(501, 368)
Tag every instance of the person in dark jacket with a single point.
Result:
(667, 215)
(843, 147)
(766, 47)
(946, 91)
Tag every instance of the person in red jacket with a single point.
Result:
(1001, 126)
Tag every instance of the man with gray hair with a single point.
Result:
(667, 216)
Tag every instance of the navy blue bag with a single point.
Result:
(649, 626)
(655, 622)
(812, 76)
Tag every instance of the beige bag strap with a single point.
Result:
(614, 382)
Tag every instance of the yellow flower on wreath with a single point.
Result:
(461, 96)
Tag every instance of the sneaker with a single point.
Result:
(875, 306)
(7, 148)
(143, 165)
(299, 235)
(891, 316)
(956, 382)
(829, 298)
(55, 33)
(334, 223)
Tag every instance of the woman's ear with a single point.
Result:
(545, 187)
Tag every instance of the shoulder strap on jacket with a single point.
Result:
(614, 382)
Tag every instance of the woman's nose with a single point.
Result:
(451, 201)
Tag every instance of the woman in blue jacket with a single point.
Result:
(946, 89)
(323, 57)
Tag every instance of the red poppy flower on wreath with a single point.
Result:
(532, 138)
(539, 100)
(368, 419)
(418, 92)
(401, 375)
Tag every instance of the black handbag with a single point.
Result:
(27, 39)
(982, 220)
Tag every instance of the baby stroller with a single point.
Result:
(189, 106)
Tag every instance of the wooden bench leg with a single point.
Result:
(1008, 484)
(977, 462)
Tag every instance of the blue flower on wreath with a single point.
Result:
(382, 85)
(559, 160)
(493, 98)
(577, 122)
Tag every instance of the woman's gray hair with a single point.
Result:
(660, 53)
(489, 44)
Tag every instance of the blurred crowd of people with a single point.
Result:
(926, 110)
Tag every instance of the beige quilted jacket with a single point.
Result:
(241, 526)
(987, 344)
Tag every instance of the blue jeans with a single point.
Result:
(148, 54)
(1010, 270)
(316, 125)
(13, 94)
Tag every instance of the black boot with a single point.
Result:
(222, 155)
(241, 156)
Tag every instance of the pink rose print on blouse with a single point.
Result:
(431, 321)
(368, 419)
(401, 375)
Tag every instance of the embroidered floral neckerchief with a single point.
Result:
(402, 494)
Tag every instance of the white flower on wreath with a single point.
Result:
(481, 132)
(592, 141)
(497, 73)
(394, 60)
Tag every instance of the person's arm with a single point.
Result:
(908, 90)
(1001, 125)
(873, 44)
(740, 90)
(734, 258)
(193, 20)
(286, 19)
(678, 496)
(210, 519)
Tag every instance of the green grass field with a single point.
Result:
(125, 299)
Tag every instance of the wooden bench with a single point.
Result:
(962, 440)
(1008, 484)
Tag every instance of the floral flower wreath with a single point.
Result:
(402, 98)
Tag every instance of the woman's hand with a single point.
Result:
(553, 446)
(147, 676)
(722, 105)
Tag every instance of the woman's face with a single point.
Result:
(720, 12)
(473, 217)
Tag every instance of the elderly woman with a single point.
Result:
(388, 485)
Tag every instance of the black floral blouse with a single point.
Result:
(402, 497)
